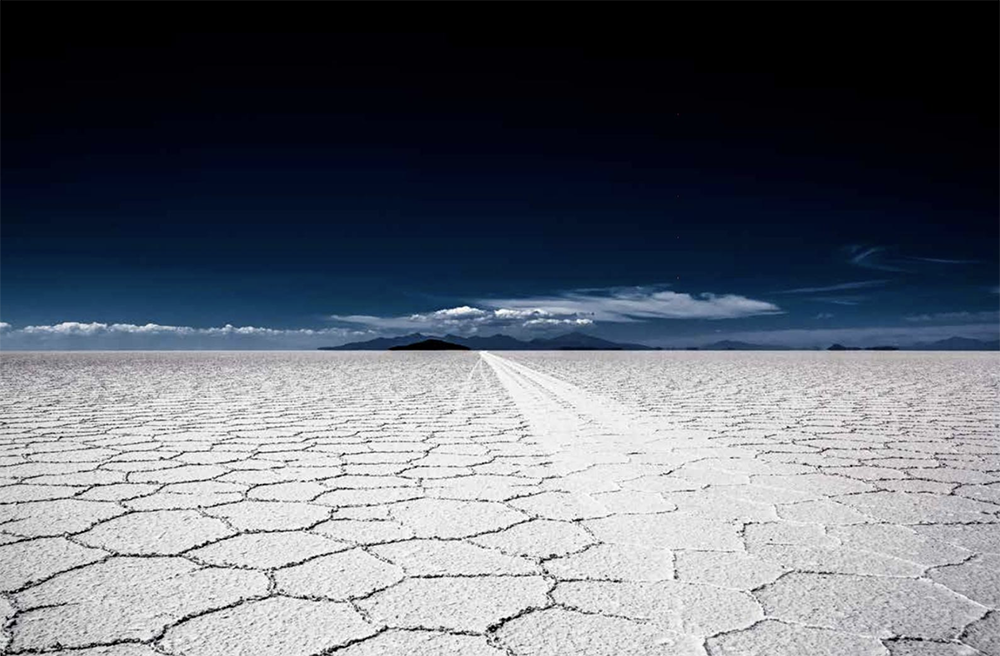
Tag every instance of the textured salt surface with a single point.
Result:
(530, 503)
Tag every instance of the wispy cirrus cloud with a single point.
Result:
(873, 257)
(885, 258)
(861, 284)
(942, 260)
(840, 300)
(628, 304)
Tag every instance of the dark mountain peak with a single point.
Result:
(841, 347)
(430, 345)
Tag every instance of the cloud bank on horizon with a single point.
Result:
(519, 317)
(76, 335)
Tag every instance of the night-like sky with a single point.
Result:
(255, 176)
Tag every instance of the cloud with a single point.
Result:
(94, 328)
(629, 304)
(4, 326)
(464, 312)
(863, 284)
(466, 320)
(73, 335)
(955, 316)
(840, 300)
(942, 260)
(882, 258)
(574, 309)
(872, 257)
(824, 315)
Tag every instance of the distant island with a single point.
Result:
(430, 345)
(576, 341)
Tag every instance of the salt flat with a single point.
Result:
(508, 503)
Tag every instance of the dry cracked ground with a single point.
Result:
(527, 503)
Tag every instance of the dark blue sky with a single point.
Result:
(344, 171)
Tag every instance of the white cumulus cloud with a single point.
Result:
(463, 312)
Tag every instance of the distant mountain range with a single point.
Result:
(950, 344)
(582, 342)
(956, 344)
(567, 342)
(730, 345)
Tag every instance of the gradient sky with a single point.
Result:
(670, 174)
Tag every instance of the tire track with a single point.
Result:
(559, 411)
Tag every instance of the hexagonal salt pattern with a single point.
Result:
(704, 504)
